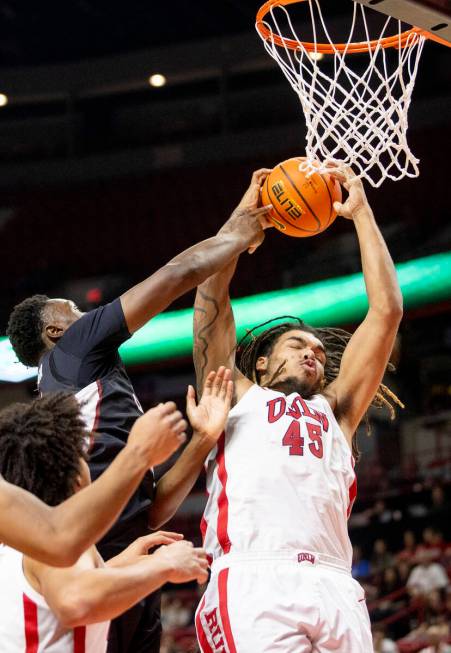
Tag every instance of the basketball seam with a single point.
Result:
(302, 198)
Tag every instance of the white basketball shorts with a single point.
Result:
(282, 602)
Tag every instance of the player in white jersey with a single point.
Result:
(49, 610)
(281, 481)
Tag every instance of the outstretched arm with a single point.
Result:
(368, 351)
(58, 536)
(242, 231)
(83, 595)
(214, 325)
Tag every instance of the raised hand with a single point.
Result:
(184, 562)
(209, 416)
(159, 432)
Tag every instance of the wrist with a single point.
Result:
(363, 213)
(230, 234)
(135, 458)
(163, 564)
(202, 443)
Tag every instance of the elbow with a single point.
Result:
(73, 610)
(60, 554)
(391, 311)
(66, 551)
(158, 517)
(397, 311)
(155, 524)
(394, 313)
(181, 277)
(157, 520)
(67, 559)
(194, 270)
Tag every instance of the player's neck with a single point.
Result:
(291, 385)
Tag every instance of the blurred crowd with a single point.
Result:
(408, 592)
(177, 616)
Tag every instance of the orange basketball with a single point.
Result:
(302, 206)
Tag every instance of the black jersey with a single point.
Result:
(86, 361)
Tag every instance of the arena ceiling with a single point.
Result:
(75, 75)
(58, 32)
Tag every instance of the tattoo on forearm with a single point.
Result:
(200, 341)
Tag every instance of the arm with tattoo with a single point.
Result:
(214, 325)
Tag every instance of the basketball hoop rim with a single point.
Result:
(397, 41)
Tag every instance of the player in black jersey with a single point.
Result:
(79, 352)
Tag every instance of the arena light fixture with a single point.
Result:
(331, 302)
(157, 80)
(316, 56)
(3, 100)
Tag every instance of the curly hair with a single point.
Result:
(41, 444)
(252, 346)
(25, 328)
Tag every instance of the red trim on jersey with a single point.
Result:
(30, 613)
(223, 502)
(203, 528)
(352, 495)
(201, 636)
(223, 610)
(97, 415)
(80, 639)
(203, 521)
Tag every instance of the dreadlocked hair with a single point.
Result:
(253, 345)
(41, 444)
(25, 328)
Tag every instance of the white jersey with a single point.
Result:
(280, 479)
(27, 625)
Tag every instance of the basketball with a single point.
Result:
(302, 206)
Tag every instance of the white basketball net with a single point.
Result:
(359, 119)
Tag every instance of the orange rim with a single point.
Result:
(396, 41)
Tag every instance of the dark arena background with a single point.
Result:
(104, 177)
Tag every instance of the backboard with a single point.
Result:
(431, 15)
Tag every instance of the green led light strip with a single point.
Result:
(331, 302)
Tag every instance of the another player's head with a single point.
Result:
(288, 357)
(42, 447)
(36, 324)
